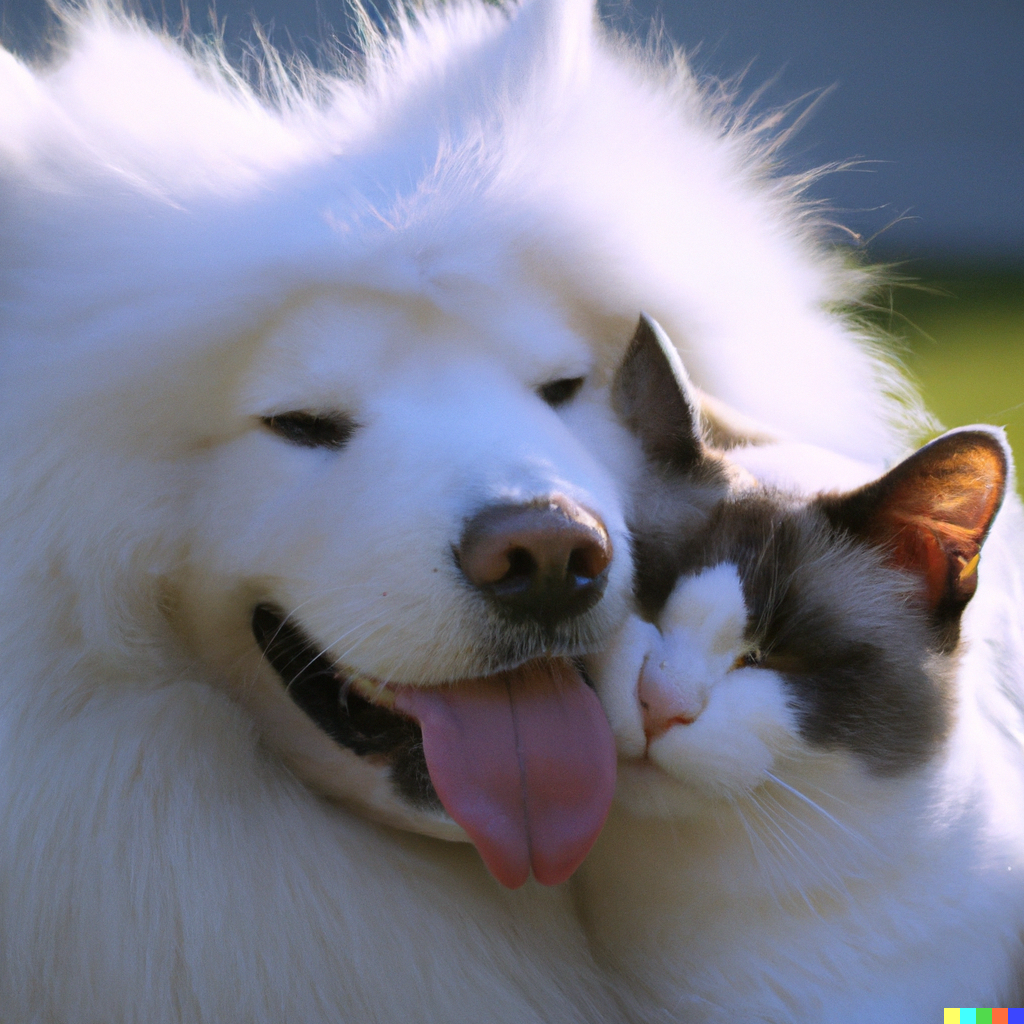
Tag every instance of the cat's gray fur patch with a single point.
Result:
(843, 630)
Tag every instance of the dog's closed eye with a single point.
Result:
(312, 429)
(558, 392)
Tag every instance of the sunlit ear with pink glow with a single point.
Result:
(931, 514)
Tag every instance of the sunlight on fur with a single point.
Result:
(292, 375)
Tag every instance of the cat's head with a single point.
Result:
(776, 628)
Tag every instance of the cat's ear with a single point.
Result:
(932, 513)
(653, 395)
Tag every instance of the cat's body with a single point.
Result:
(820, 808)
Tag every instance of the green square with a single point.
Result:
(983, 1016)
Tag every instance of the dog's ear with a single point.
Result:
(653, 395)
(931, 514)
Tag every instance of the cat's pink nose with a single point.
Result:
(665, 701)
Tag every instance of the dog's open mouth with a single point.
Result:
(523, 760)
(343, 710)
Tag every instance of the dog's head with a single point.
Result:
(401, 542)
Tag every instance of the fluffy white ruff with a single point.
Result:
(514, 177)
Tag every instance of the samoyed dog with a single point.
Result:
(313, 496)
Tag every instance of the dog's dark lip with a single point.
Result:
(582, 668)
(361, 725)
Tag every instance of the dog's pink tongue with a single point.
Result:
(524, 761)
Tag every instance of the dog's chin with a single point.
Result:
(348, 741)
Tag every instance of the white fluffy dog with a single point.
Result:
(286, 377)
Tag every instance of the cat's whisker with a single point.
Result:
(808, 874)
(786, 840)
(857, 837)
(768, 863)
(820, 854)
(783, 760)
(796, 821)
(792, 865)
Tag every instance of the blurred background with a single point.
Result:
(925, 96)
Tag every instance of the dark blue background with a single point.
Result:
(932, 93)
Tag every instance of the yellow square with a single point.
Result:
(951, 1015)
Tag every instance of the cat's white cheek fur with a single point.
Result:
(689, 726)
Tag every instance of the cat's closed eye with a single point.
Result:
(754, 658)
(757, 657)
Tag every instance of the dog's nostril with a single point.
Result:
(521, 566)
(589, 561)
(545, 561)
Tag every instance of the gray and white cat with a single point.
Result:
(818, 715)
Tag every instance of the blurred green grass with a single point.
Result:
(965, 336)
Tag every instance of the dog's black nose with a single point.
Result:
(546, 560)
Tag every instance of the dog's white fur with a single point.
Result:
(485, 204)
